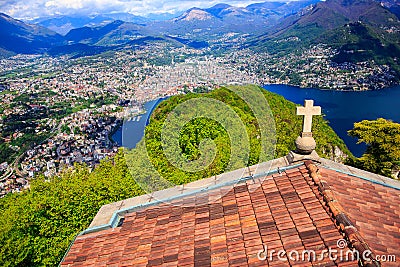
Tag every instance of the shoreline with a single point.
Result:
(327, 89)
(114, 130)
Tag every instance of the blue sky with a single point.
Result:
(29, 9)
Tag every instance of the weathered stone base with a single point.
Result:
(305, 144)
(294, 157)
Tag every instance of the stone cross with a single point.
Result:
(308, 111)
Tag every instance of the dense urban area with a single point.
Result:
(57, 111)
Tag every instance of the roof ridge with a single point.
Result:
(346, 226)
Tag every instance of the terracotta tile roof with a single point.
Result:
(232, 226)
(373, 208)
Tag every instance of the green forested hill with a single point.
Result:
(38, 225)
(287, 124)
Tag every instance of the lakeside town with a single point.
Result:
(58, 111)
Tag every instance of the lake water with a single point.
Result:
(341, 108)
(131, 132)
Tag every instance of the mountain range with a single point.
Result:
(195, 26)
(63, 24)
(366, 28)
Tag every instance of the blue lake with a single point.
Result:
(341, 108)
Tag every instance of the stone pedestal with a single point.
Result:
(294, 157)
(305, 144)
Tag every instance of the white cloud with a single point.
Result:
(25, 9)
(50, 4)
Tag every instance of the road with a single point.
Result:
(7, 175)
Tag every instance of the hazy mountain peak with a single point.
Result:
(18, 37)
(220, 6)
(216, 10)
(8, 19)
(235, 11)
(194, 14)
(5, 16)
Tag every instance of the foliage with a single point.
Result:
(294, 78)
(23, 98)
(39, 224)
(6, 153)
(383, 146)
(65, 129)
(63, 109)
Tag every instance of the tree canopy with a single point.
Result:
(38, 225)
(383, 146)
